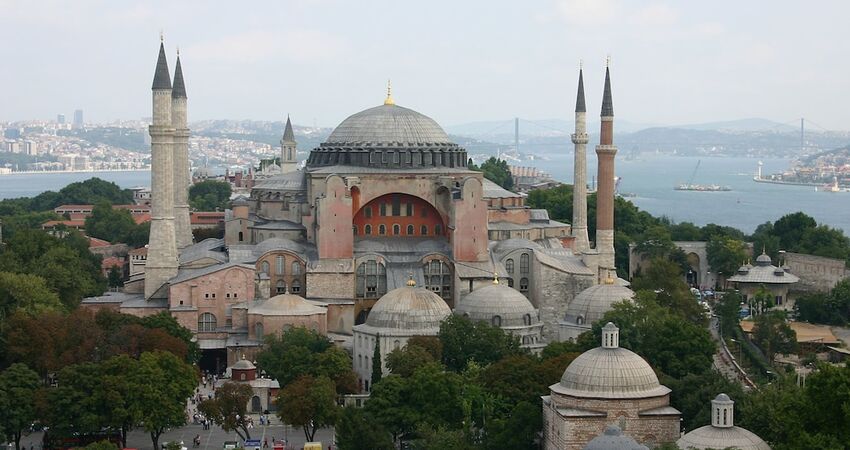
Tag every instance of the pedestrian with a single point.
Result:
(266, 443)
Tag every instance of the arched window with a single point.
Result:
(523, 285)
(258, 331)
(371, 280)
(280, 288)
(367, 229)
(424, 230)
(525, 340)
(383, 209)
(396, 344)
(524, 263)
(438, 230)
(510, 282)
(367, 212)
(526, 319)
(261, 237)
(497, 321)
(206, 322)
(410, 230)
(296, 287)
(382, 230)
(509, 266)
(438, 278)
(271, 236)
(354, 229)
(580, 320)
(265, 267)
(396, 230)
(278, 265)
(241, 237)
(296, 268)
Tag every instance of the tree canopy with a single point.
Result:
(209, 195)
(497, 171)
(465, 340)
(116, 225)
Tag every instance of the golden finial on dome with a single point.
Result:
(410, 281)
(389, 100)
(495, 278)
(161, 35)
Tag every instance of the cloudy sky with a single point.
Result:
(457, 61)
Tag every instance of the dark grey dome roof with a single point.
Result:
(388, 125)
(497, 300)
(613, 439)
(388, 136)
(409, 308)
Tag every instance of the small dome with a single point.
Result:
(286, 305)
(710, 438)
(497, 300)
(763, 260)
(243, 364)
(613, 439)
(610, 372)
(388, 124)
(592, 303)
(408, 308)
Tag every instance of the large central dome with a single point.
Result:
(388, 137)
(388, 125)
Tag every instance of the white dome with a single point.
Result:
(711, 437)
(285, 305)
(408, 308)
(609, 372)
(592, 303)
(497, 300)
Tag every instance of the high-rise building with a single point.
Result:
(60, 119)
(78, 118)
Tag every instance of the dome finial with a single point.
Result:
(161, 35)
(410, 281)
(389, 100)
(495, 278)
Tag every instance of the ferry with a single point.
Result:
(702, 187)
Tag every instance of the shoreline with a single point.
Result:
(38, 172)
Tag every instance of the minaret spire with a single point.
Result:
(179, 120)
(288, 153)
(605, 153)
(162, 263)
(580, 139)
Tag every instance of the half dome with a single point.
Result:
(408, 308)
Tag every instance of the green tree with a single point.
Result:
(727, 309)
(517, 430)
(101, 445)
(685, 231)
(18, 388)
(377, 363)
(169, 324)
(440, 438)
(357, 431)
(464, 341)
(791, 227)
(165, 382)
(761, 301)
(654, 242)
(26, 293)
(692, 395)
(773, 334)
(664, 279)
(110, 224)
(229, 408)
(725, 254)
(497, 171)
(309, 403)
(115, 279)
(209, 195)
(824, 241)
(298, 351)
(406, 360)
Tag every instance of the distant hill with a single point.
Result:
(752, 124)
(542, 127)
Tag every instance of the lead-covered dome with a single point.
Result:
(609, 372)
(512, 308)
(592, 303)
(388, 136)
(613, 439)
(408, 308)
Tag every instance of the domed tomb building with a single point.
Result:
(776, 280)
(506, 308)
(722, 433)
(608, 385)
(399, 315)
(590, 305)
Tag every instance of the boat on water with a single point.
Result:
(834, 187)
(690, 186)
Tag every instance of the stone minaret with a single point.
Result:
(605, 152)
(182, 226)
(288, 156)
(579, 228)
(161, 264)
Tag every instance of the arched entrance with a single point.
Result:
(692, 275)
(256, 406)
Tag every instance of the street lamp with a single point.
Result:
(739, 346)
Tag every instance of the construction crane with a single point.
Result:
(694, 175)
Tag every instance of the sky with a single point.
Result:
(457, 61)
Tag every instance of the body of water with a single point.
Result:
(32, 184)
(652, 177)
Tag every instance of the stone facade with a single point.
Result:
(817, 274)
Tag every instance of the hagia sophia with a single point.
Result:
(379, 236)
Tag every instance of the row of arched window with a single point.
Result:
(524, 264)
(396, 230)
(280, 267)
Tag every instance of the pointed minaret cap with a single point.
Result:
(607, 103)
(179, 90)
(288, 134)
(580, 105)
(161, 78)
